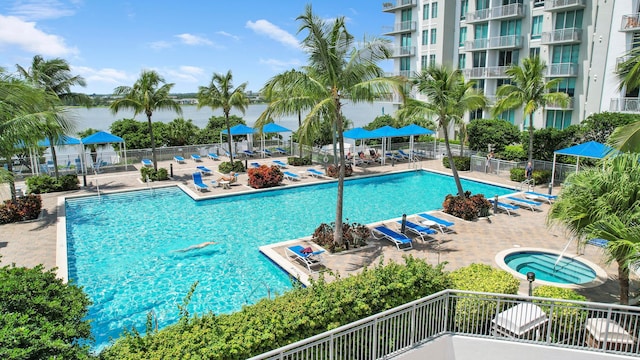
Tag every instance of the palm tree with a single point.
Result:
(149, 93)
(602, 202)
(221, 94)
(449, 96)
(54, 76)
(336, 69)
(529, 90)
(627, 138)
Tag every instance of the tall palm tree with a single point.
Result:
(603, 202)
(529, 90)
(221, 94)
(449, 96)
(54, 76)
(149, 93)
(337, 69)
(627, 138)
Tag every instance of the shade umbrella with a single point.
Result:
(412, 130)
(103, 138)
(384, 133)
(357, 134)
(273, 128)
(239, 129)
(590, 149)
(60, 141)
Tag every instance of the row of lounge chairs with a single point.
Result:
(424, 228)
(531, 200)
(200, 185)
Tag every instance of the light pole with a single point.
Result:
(531, 277)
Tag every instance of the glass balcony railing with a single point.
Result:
(562, 5)
(498, 42)
(399, 4)
(399, 27)
(625, 105)
(562, 69)
(562, 36)
(494, 13)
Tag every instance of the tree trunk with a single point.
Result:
(299, 126)
(337, 236)
(153, 142)
(226, 119)
(623, 282)
(54, 157)
(531, 138)
(452, 164)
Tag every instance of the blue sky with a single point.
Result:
(110, 42)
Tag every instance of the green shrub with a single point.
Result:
(42, 317)
(561, 312)
(43, 184)
(539, 176)
(468, 207)
(24, 208)
(225, 167)
(295, 315)
(473, 312)
(159, 175)
(265, 177)
(513, 153)
(462, 163)
(353, 236)
(299, 161)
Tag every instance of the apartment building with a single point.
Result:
(582, 41)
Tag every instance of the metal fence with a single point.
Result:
(503, 168)
(550, 322)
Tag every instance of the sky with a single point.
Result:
(109, 42)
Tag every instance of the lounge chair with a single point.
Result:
(204, 170)
(267, 152)
(196, 157)
(539, 196)
(229, 154)
(254, 165)
(179, 159)
(280, 164)
(403, 154)
(392, 156)
(531, 205)
(197, 182)
(508, 208)
(401, 241)
(309, 259)
(249, 153)
(281, 151)
(419, 230)
(291, 176)
(147, 163)
(598, 242)
(213, 156)
(314, 172)
(443, 225)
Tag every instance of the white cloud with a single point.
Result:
(191, 39)
(41, 9)
(17, 32)
(105, 75)
(279, 65)
(159, 45)
(272, 31)
(224, 33)
(194, 70)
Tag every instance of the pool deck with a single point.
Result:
(34, 242)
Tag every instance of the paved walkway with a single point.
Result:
(32, 243)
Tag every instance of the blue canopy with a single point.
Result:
(385, 132)
(414, 129)
(591, 149)
(239, 129)
(274, 128)
(102, 137)
(63, 140)
(358, 134)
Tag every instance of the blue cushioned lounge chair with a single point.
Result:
(249, 153)
(146, 163)
(204, 170)
(280, 163)
(291, 176)
(539, 196)
(443, 225)
(508, 208)
(419, 230)
(529, 204)
(213, 156)
(196, 157)
(314, 172)
(401, 241)
(197, 182)
(267, 152)
(179, 159)
(281, 151)
(254, 165)
(309, 259)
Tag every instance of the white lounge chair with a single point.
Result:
(531, 205)
(196, 157)
(401, 241)
(422, 231)
(309, 257)
(291, 176)
(179, 159)
(204, 170)
(197, 182)
(213, 156)
(280, 164)
(315, 173)
(147, 163)
(539, 196)
(443, 225)
(508, 208)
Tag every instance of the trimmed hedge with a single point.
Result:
(462, 163)
(43, 184)
(153, 175)
(299, 161)
(24, 208)
(539, 176)
(293, 316)
(225, 167)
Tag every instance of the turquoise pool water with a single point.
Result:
(547, 267)
(122, 248)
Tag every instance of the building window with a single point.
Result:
(481, 31)
(424, 62)
(569, 19)
(564, 54)
(479, 59)
(432, 60)
(434, 36)
(509, 115)
(536, 27)
(463, 36)
(510, 27)
(462, 61)
(508, 57)
(425, 11)
(475, 114)
(534, 51)
(482, 4)
(567, 85)
(464, 8)
(501, 82)
(434, 10)
(559, 119)
(405, 64)
(425, 37)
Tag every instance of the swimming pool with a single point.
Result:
(550, 267)
(122, 247)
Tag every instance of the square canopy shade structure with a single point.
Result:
(358, 134)
(239, 129)
(63, 140)
(384, 133)
(102, 138)
(590, 149)
(411, 131)
(273, 128)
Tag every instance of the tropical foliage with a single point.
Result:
(498, 133)
(354, 235)
(604, 202)
(265, 177)
(23, 208)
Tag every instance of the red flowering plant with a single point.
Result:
(24, 208)
(466, 207)
(265, 177)
(353, 236)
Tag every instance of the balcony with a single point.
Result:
(495, 13)
(562, 5)
(621, 60)
(562, 70)
(400, 51)
(625, 105)
(400, 27)
(630, 22)
(555, 106)
(486, 72)
(404, 73)
(499, 42)
(562, 36)
(398, 5)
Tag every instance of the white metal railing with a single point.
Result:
(562, 69)
(403, 26)
(549, 322)
(551, 5)
(498, 12)
(568, 35)
(630, 22)
(503, 167)
(509, 41)
(403, 51)
(399, 4)
(625, 105)
(486, 72)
